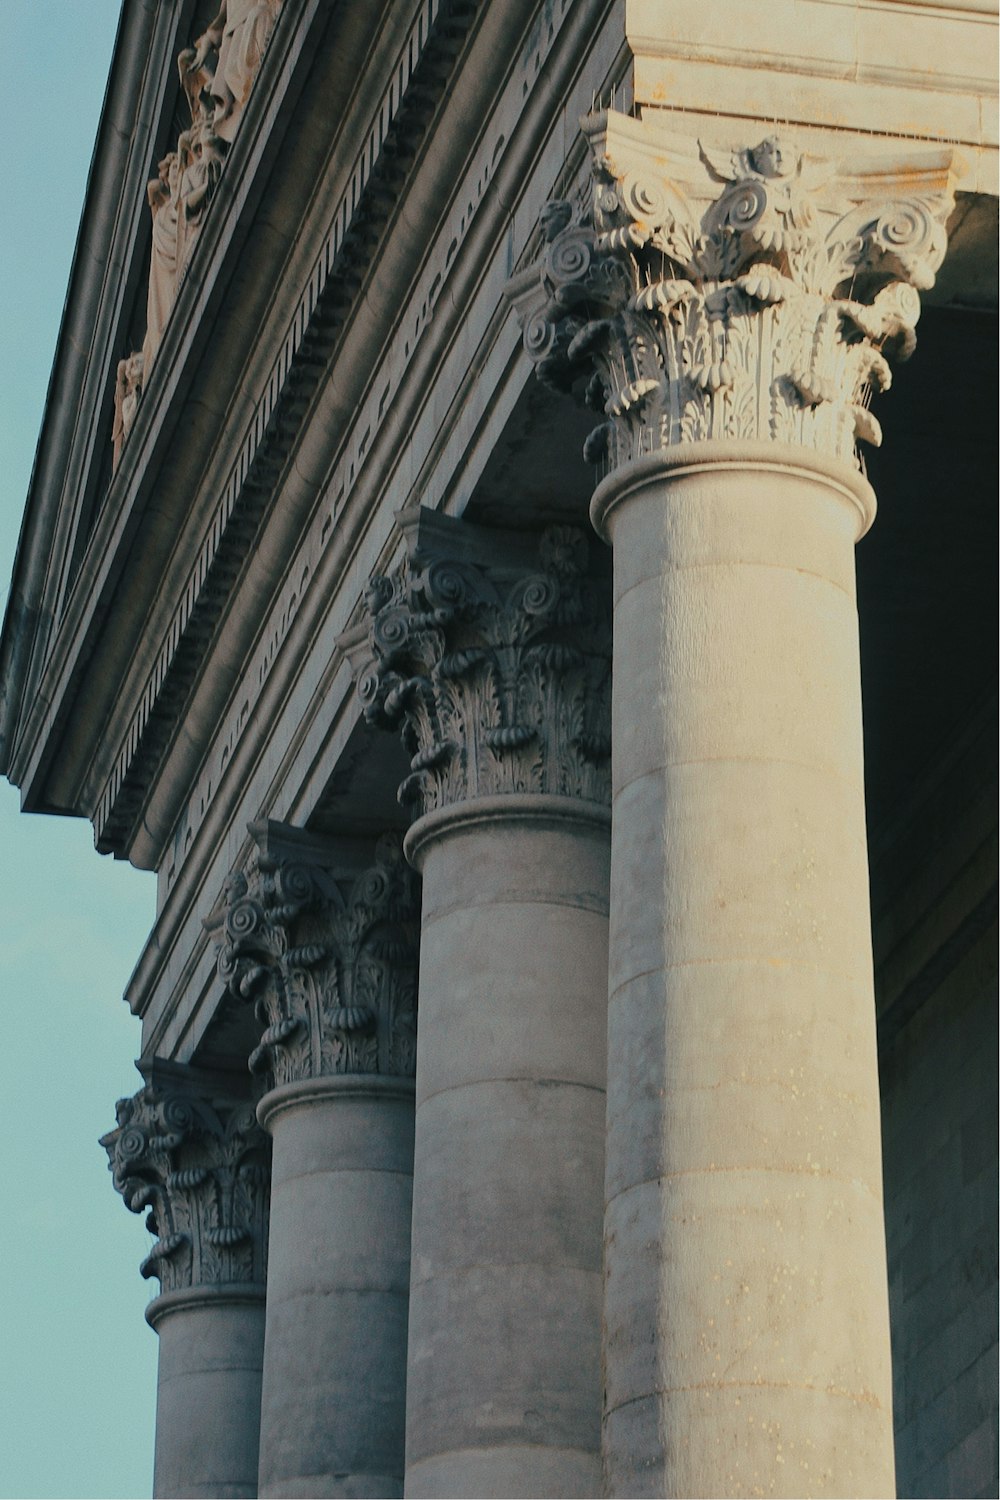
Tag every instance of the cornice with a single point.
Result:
(310, 713)
(100, 286)
(69, 649)
(355, 454)
(250, 487)
(361, 217)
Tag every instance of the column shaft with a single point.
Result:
(332, 1415)
(747, 1347)
(208, 1392)
(192, 1156)
(503, 1393)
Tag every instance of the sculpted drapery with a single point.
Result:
(217, 74)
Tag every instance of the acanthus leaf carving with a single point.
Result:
(731, 293)
(329, 962)
(496, 673)
(200, 1164)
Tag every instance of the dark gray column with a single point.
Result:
(197, 1160)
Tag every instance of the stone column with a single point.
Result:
(327, 950)
(727, 312)
(493, 658)
(197, 1160)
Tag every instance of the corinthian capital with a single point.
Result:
(327, 957)
(493, 659)
(753, 292)
(200, 1164)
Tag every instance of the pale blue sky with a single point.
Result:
(77, 1361)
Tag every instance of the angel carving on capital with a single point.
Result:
(782, 176)
(770, 193)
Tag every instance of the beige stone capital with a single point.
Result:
(732, 293)
(492, 656)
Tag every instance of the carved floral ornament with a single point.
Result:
(201, 1168)
(497, 676)
(217, 73)
(702, 293)
(329, 964)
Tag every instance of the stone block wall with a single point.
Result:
(937, 988)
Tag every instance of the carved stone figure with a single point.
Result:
(202, 155)
(200, 1165)
(740, 293)
(196, 66)
(330, 964)
(163, 195)
(239, 35)
(497, 675)
(128, 390)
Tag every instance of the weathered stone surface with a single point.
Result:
(333, 1399)
(705, 293)
(328, 959)
(492, 657)
(494, 662)
(208, 1393)
(326, 341)
(727, 310)
(509, 1155)
(746, 1318)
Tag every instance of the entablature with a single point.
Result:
(220, 406)
(878, 69)
(426, 425)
